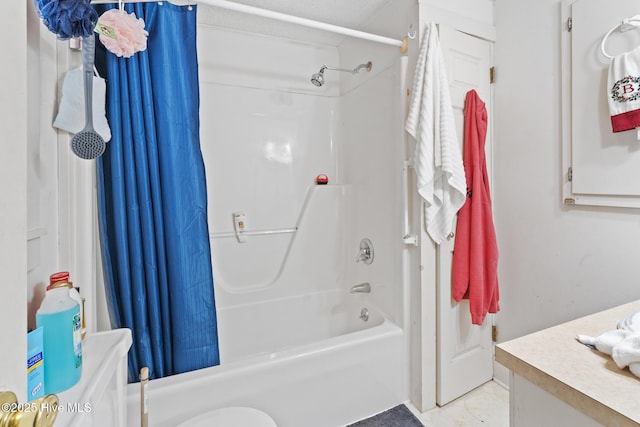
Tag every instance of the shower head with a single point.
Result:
(318, 78)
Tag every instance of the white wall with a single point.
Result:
(60, 186)
(476, 10)
(29, 181)
(474, 17)
(42, 184)
(556, 262)
(13, 204)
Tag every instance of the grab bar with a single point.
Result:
(254, 233)
(407, 237)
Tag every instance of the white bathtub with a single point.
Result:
(321, 366)
(263, 327)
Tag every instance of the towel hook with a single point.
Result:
(627, 24)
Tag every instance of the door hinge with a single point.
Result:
(569, 24)
(492, 75)
(494, 333)
(570, 174)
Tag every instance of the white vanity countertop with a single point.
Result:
(586, 379)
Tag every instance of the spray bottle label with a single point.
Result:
(77, 339)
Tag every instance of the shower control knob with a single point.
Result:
(366, 251)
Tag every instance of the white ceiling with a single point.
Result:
(346, 13)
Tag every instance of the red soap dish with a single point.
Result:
(322, 179)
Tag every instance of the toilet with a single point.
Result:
(234, 416)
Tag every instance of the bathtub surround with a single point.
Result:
(153, 201)
(280, 132)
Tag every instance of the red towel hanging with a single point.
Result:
(475, 254)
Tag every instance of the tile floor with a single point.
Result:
(486, 406)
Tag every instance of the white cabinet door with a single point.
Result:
(465, 351)
(600, 166)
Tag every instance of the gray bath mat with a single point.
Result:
(398, 416)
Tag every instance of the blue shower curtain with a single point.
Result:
(152, 200)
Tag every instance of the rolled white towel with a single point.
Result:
(627, 351)
(631, 323)
(635, 369)
(607, 341)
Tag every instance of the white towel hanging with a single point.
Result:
(618, 62)
(438, 161)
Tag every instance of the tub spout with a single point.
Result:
(361, 288)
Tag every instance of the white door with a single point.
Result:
(464, 351)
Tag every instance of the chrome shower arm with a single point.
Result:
(318, 78)
(326, 67)
(356, 70)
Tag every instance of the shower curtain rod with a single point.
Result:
(251, 10)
